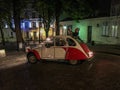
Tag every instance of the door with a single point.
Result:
(47, 50)
(60, 48)
(89, 34)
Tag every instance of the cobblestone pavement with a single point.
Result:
(102, 74)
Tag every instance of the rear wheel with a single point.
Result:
(32, 59)
(73, 62)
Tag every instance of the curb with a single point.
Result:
(112, 53)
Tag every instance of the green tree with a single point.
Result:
(16, 17)
(78, 9)
(3, 18)
(1, 30)
(45, 9)
(13, 10)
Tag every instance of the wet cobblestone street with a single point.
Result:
(102, 74)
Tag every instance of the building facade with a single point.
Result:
(32, 27)
(97, 30)
(102, 30)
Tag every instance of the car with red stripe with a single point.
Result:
(58, 48)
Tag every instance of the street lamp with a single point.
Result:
(65, 30)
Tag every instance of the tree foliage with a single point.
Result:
(12, 12)
(45, 9)
(78, 9)
(53, 9)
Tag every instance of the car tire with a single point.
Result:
(32, 59)
(73, 62)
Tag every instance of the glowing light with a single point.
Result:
(13, 25)
(20, 45)
(6, 26)
(30, 25)
(37, 34)
(42, 31)
(48, 39)
(31, 34)
(50, 32)
(51, 25)
(42, 25)
(90, 54)
(23, 25)
(37, 24)
(64, 27)
(2, 53)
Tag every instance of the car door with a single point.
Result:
(47, 51)
(60, 48)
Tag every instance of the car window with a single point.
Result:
(49, 43)
(71, 42)
(60, 42)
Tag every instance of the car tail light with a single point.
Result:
(90, 53)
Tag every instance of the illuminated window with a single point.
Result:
(6, 26)
(34, 24)
(26, 24)
(37, 24)
(23, 25)
(105, 29)
(30, 26)
(114, 31)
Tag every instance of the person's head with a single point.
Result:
(77, 30)
(69, 30)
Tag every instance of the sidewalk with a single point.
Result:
(108, 49)
(13, 55)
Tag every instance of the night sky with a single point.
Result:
(103, 6)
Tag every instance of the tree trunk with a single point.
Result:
(16, 15)
(57, 26)
(47, 27)
(57, 14)
(47, 33)
(2, 35)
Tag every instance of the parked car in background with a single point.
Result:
(58, 48)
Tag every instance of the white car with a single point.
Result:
(60, 48)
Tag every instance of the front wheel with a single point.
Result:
(31, 58)
(73, 62)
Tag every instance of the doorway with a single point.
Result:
(89, 34)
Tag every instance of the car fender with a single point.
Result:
(35, 53)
